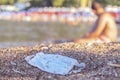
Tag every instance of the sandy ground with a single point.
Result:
(102, 61)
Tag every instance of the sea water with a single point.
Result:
(14, 33)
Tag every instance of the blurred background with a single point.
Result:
(31, 22)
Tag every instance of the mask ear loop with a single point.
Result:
(80, 65)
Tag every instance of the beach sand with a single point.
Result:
(102, 61)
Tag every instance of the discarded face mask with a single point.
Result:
(54, 63)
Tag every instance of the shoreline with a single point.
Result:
(95, 56)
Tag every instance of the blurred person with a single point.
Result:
(104, 29)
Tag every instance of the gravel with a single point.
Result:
(100, 59)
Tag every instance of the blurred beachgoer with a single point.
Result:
(104, 30)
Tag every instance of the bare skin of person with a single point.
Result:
(104, 30)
